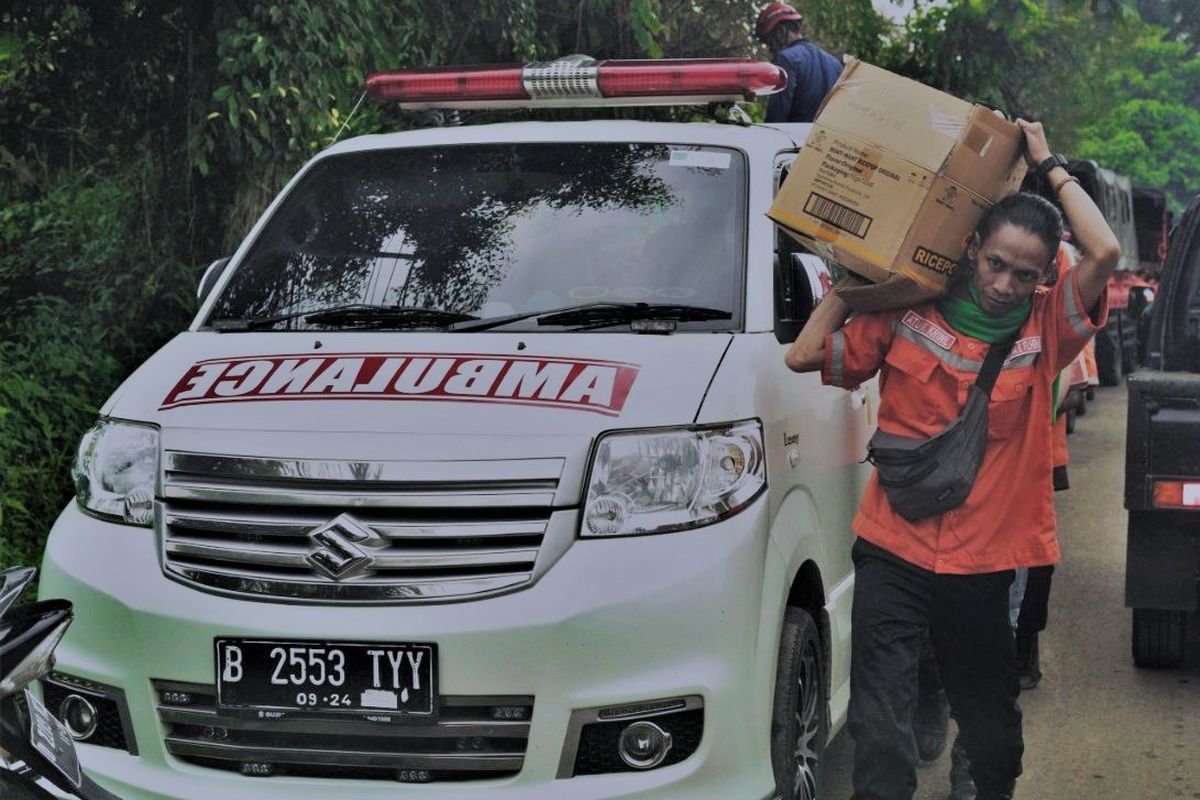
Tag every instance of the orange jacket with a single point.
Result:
(926, 369)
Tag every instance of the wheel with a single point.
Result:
(1071, 414)
(1158, 637)
(800, 718)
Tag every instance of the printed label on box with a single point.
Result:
(838, 215)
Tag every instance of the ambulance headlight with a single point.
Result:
(115, 471)
(672, 479)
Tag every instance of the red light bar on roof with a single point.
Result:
(580, 80)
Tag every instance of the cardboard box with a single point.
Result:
(893, 179)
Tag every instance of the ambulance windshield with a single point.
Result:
(488, 230)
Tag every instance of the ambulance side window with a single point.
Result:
(794, 298)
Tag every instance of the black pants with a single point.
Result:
(967, 619)
(1035, 606)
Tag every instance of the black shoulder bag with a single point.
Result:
(926, 477)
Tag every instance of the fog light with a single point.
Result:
(643, 745)
(80, 716)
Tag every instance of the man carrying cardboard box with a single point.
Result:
(949, 572)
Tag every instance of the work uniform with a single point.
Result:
(951, 573)
(811, 73)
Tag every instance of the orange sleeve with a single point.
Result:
(1068, 325)
(854, 352)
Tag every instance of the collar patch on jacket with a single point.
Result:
(1024, 347)
(931, 331)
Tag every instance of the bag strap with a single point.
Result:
(992, 362)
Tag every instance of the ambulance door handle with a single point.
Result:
(858, 398)
(793, 457)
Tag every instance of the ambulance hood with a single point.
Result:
(465, 384)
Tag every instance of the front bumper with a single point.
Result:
(612, 622)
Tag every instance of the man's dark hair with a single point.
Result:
(778, 38)
(1032, 212)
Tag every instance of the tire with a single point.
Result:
(800, 717)
(1071, 414)
(1158, 637)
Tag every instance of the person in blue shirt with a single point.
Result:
(811, 71)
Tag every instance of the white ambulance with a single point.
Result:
(479, 474)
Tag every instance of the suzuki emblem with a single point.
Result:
(338, 547)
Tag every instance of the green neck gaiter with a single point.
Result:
(968, 317)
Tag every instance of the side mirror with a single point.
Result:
(820, 281)
(801, 281)
(211, 275)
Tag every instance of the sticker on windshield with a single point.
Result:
(581, 384)
(700, 158)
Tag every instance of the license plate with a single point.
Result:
(269, 679)
(52, 739)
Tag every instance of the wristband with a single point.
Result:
(1049, 163)
(1064, 182)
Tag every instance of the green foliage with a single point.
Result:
(1181, 18)
(1134, 134)
(288, 75)
(1108, 86)
(852, 26)
(1145, 122)
(50, 376)
(89, 291)
(1011, 54)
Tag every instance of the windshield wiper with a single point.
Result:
(352, 315)
(601, 313)
(406, 316)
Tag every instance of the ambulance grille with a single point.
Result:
(474, 738)
(353, 532)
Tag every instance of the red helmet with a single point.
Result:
(772, 15)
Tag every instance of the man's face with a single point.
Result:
(780, 37)
(1008, 266)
